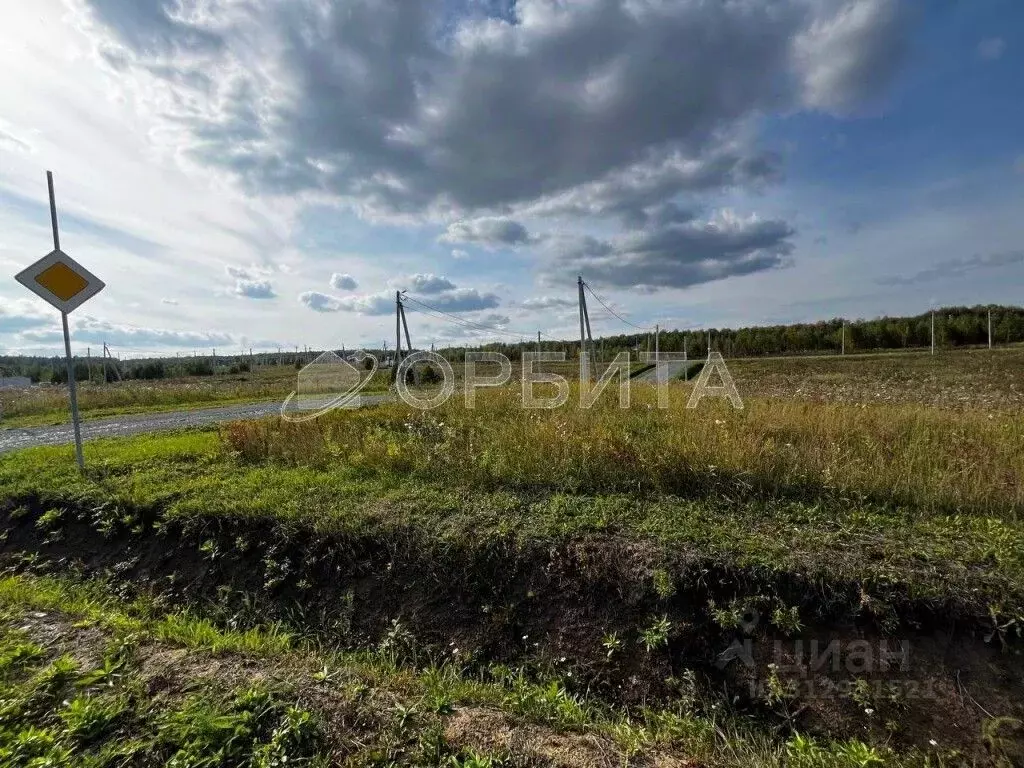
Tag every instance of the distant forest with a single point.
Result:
(954, 327)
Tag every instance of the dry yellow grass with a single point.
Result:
(927, 458)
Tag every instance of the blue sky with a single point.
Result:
(701, 164)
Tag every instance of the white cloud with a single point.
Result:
(254, 289)
(548, 302)
(91, 330)
(991, 48)
(18, 315)
(454, 300)
(844, 58)
(424, 283)
(12, 143)
(459, 254)
(170, 302)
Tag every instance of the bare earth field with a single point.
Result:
(981, 379)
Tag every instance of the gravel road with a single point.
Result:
(673, 369)
(119, 426)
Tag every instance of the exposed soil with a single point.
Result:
(927, 673)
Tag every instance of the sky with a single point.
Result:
(267, 173)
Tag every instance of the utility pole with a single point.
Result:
(933, 331)
(579, 285)
(538, 341)
(990, 327)
(398, 330)
(405, 326)
(657, 332)
(709, 345)
(686, 364)
(88, 362)
(113, 362)
(843, 351)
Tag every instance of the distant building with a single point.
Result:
(15, 382)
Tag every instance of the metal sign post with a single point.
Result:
(66, 285)
(72, 388)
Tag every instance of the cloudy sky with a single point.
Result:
(268, 172)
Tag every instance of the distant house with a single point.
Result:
(15, 382)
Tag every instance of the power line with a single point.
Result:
(612, 311)
(440, 314)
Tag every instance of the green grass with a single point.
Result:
(77, 666)
(972, 558)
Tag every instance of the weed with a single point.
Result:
(787, 620)
(663, 585)
(612, 644)
(656, 634)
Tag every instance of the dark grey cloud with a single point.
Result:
(402, 108)
(957, 268)
(464, 300)
(847, 55)
(677, 255)
(641, 194)
(343, 282)
(488, 231)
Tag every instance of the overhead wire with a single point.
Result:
(441, 314)
(612, 311)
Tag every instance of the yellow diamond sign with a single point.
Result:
(60, 280)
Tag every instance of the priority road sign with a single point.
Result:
(61, 280)
(65, 284)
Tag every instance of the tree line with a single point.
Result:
(954, 327)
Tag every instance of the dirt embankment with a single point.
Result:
(625, 620)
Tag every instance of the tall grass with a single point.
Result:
(927, 458)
